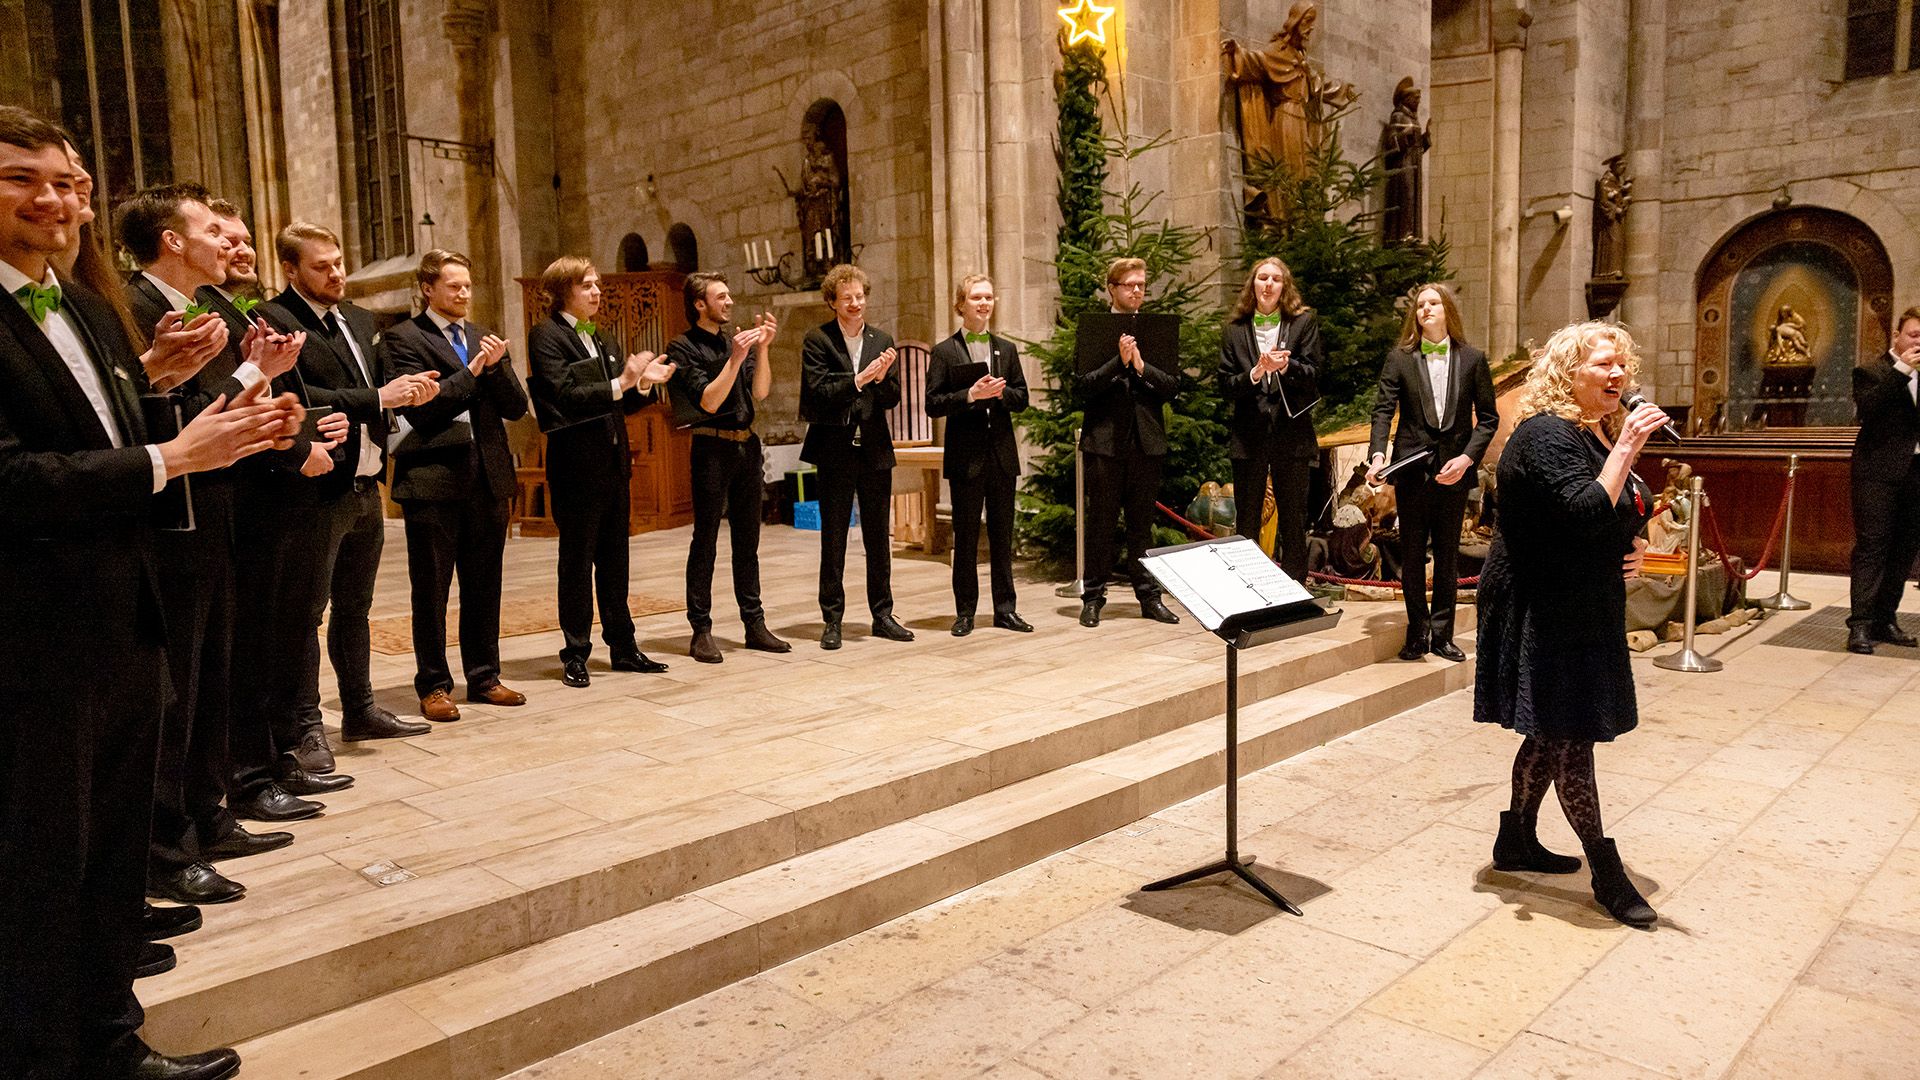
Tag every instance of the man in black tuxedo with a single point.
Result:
(582, 392)
(455, 483)
(1443, 391)
(982, 461)
(847, 384)
(717, 379)
(341, 370)
(1886, 487)
(77, 566)
(174, 235)
(1269, 367)
(1123, 443)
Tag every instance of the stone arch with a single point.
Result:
(633, 254)
(685, 247)
(1831, 257)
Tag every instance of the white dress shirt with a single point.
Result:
(466, 335)
(246, 373)
(1913, 384)
(73, 352)
(369, 463)
(1437, 365)
(856, 345)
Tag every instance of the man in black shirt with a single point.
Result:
(715, 383)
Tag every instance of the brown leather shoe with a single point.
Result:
(439, 707)
(497, 694)
(703, 648)
(761, 638)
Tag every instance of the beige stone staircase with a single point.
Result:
(477, 970)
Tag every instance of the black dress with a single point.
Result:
(1553, 657)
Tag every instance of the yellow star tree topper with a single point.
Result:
(1086, 21)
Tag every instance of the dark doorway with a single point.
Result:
(633, 253)
(685, 248)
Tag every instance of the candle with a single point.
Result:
(819, 251)
(829, 235)
(748, 248)
(767, 246)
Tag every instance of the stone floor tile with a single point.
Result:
(1264, 799)
(1815, 1032)
(1871, 962)
(1414, 898)
(1880, 746)
(1891, 897)
(1714, 796)
(1114, 949)
(1836, 821)
(1772, 754)
(1536, 1057)
(1368, 1046)
(722, 1034)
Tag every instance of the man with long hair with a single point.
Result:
(1269, 362)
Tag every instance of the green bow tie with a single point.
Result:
(39, 300)
(245, 305)
(1266, 322)
(982, 338)
(586, 326)
(1428, 348)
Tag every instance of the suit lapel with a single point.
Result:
(839, 342)
(1422, 387)
(1456, 363)
(46, 360)
(442, 348)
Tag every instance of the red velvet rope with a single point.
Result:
(1766, 551)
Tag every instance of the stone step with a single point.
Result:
(503, 1013)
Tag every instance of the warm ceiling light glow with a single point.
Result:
(1086, 21)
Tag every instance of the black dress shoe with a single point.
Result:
(154, 959)
(240, 843)
(635, 660)
(1413, 650)
(212, 1065)
(313, 753)
(830, 636)
(574, 672)
(297, 781)
(1090, 610)
(165, 922)
(378, 723)
(1156, 609)
(1447, 650)
(1011, 620)
(1891, 633)
(1859, 640)
(889, 627)
(762, 639)
(272, 803)
(199, 883)
(962, 625)
(703, 649)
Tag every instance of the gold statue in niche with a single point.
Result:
(1283, 98)
(1787, 342)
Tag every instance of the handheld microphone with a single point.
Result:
(1632, 400)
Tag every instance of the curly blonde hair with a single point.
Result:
(1549, 386)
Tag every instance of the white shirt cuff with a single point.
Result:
(159, 468)
(249, 376)
(613, 387)
(1901, 367)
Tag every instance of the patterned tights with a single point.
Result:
(1568, 766)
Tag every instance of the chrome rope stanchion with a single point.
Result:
(1078, 586)
(1687, 659)
(1784, 600)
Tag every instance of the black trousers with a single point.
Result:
(726, 486)
(591, 510)
(467, 537)
(350, 561)
(1291, 478)
(1430, 513)
(196, 591)
(76, 809)
(1131, 481)
(839, 486)
(280, 548)
(1886, 540)
(991, 488)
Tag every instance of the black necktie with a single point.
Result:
(331, 323)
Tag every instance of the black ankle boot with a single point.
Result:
(1613, 889)
(1517, 848)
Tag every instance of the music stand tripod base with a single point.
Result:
(1239, 865)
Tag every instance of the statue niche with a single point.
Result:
(820, 198)
(1612, 194)
(1283, 101)
(1404, 143)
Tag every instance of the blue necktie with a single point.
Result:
(459, 341)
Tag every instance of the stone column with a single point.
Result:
(469, 26)
(1510, 21)
(964, 100)
(1007, 176)
(202, 55)
(1646, 120)
(258, 33)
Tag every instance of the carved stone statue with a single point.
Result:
(1283, 98)
(1404, 143)
(1612, 194)
(817, 200)
(1787, 342)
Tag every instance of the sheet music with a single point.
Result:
(1218, 581)
(1404, 462)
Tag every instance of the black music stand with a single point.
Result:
(1246, 628)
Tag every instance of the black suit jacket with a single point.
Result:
(1126, 410)
(493, 398)
(976, 430)
(1889, 422)
(1423, 424)
(576, 414)
(327, 375)
(1260, 427)
(832, 407)
(212, 380)
(238, 325)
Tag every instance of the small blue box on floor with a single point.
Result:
(806, 515)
